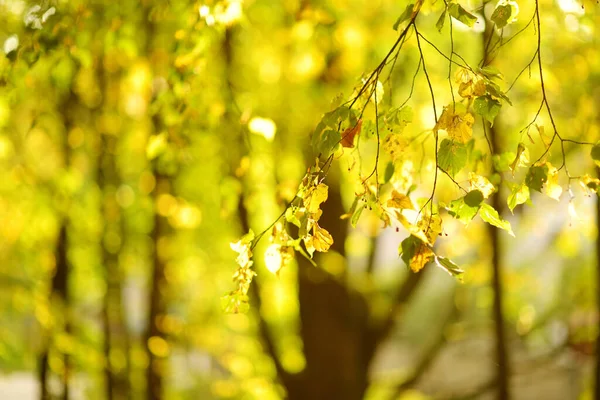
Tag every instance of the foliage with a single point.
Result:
(148, 148)
(480, 94)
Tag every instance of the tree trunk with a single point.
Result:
(502, 359)
(157, 299)
(333, 321)
(157, 365)
(597, 366)
(58, 293)
(59, 289)
(116, 335)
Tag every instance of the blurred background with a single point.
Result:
(139, 138)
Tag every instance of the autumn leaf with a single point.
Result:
(314, 197)
(277, 257)
(519, 195)
(521, 159)
(470, 84)
(400, 201)
(431, 226)
(422, 257)
(458, 125)
(481, 183)
(414, 230)
(244, 249)
(415, 253)
(350, 133)
(589, 183)
(394, 145)
(320, 240)
(552, 188)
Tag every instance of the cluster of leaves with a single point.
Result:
(304, 212)
(389, 196)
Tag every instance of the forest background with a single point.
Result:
(142, 142)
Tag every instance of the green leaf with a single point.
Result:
(521, 158)
(448, 266)
(405, 15)
(457, 12)
(415, 253)
(536, 177)
(157, 145)
(502, 161)
(408, 248)
(596, 153)
(487, 107)
(356, 214)
(452, 156)
(491, 72)
(440, 22)
(293, 215)
(494, 90)
(397, 119)
(490, 215)
(389, 172)
(326, 136)
(501, 15)
(519, 195)
(235, 303)
(474, 198)
(466, 208)
(324, 142)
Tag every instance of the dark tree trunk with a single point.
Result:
(161, 230)
(157, 365)
(597, 366)
(59, 289)
(116, 335)
(58, 292)
(502, 362)
(502, 358)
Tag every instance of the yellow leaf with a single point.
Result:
(521, 159)
(382, 214)
(243, 247)
(545, 138)
(482, 184)
(463, 75)
(277, 257)
(589, 184)
(470, 84)
(320, 240)
(412, 229)
(394, 144)
(314, 197)
(552, 188)
(423, 255)
(400, 201)
(458, 125)
(431, 226)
